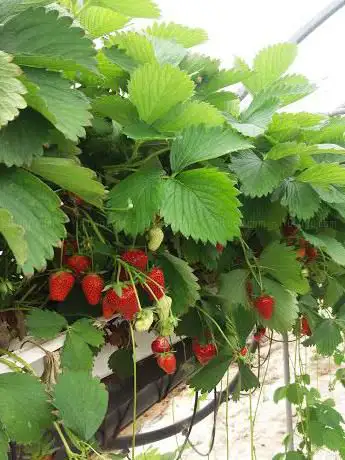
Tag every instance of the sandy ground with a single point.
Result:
(270, 425)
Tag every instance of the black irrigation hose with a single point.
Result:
(196, 400)
(213, 435)
(123, 442)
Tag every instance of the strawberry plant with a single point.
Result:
(130, 171)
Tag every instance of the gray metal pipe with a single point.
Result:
(304, 32)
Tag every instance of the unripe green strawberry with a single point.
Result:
(156, 237)
(164, 307)
(144, 320)
(167, 327)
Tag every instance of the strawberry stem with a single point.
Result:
(134, 391)
(135, 289)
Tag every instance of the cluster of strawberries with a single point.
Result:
(305, 251)
(125, 300)
(165, 358)
(62, 282)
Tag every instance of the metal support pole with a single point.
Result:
(288, 409)
(309, 28)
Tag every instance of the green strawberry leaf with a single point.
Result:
(183, 35)
(285, 149)
(168, 52)
(144, 189)
(3, 445)
(182, 284)
(23, 139)
(119, 59)
(136, 46)
(14, 235)
(155, 89)
(190, 113)
(195, 63)
(121, 363)
(300, 199)
(288, 89)
(71, 176)
(34, 207)
(255, 119)
(330, 194)
(199, 143)
(11, 89)
(117, 108)
(233, 287)
(244, 321)
(247, 379)
(285, 310)
(221, 79)
(100, 21)
(45, 324)
(85, 329)
(131, 8)
(81, 411)
(202, 204)
(76, 355)
(327, 336)
(51, 95)
(194, 252)
(262, 213)
(260, 177)
(9, 8)
(287, 126)
(269, 64)
(142, 131)
(67, 48)
(208, 377)
(279, 261)
(24, 409)
(323, 174)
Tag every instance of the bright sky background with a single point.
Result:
(243, 27)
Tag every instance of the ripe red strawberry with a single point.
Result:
(300, 253)
(79, 263)
(289, 230)
(265, 304)
(155, 284)
(305, 328)
(136, 257)
(312, 253)
(204, 353)
(126, 304)
(160, 345)
(243, 351)
(92, 286)
(107, 308)
(76, 199)
(259, 334)
(60, 285)
(220, 248)
(167, 362)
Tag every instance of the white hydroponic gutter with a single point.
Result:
(34, 355)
